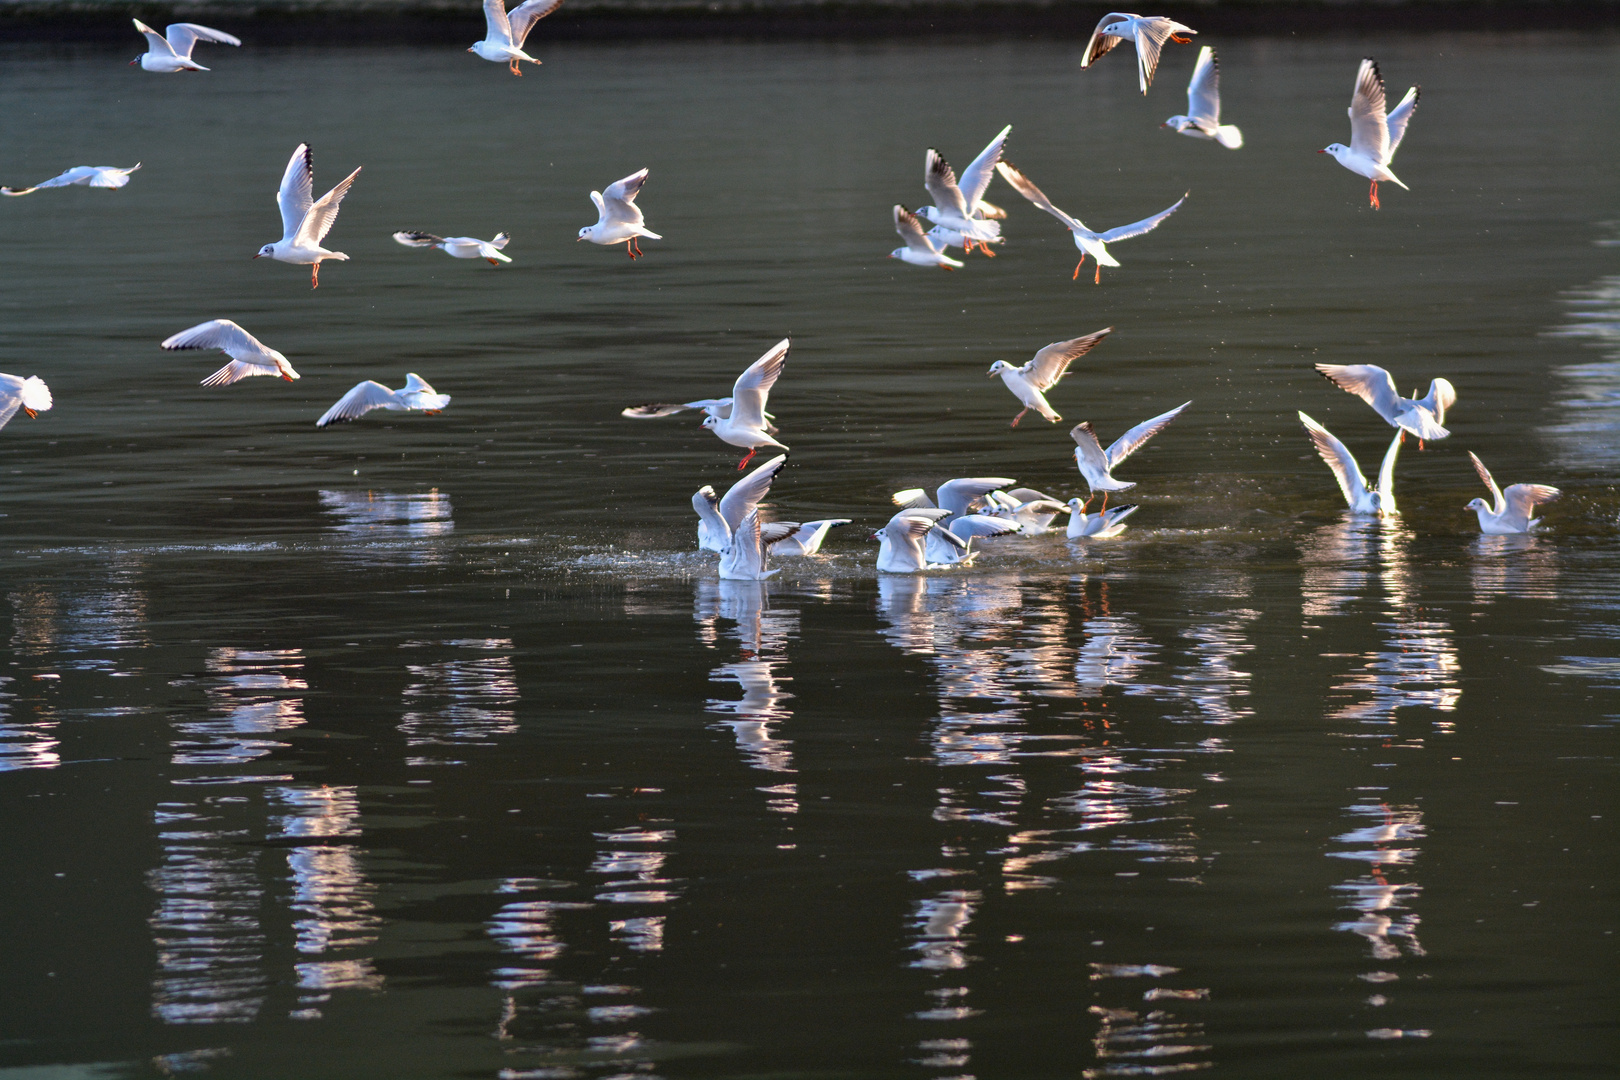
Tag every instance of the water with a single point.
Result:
(427, 747)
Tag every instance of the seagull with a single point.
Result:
(172, 53)
(1372, 384)
(960, 208)
(1513, 508)
(1030, 382)
(506, 31)
(305, 221)
(716, 407)
(459, 247)
(415, 396)
(101, 176)
(618, 218)
(31, 395)
(1089, 243)
(1378, 501)
(249, 356)
(746, 426)
(807, 538)
(1098, 465)
(1374, 137)
(1149, 32)
(1103, 525)
(919, 249)
(906, 543)
(1032, 509)
(720, 516)
(745, 554)
(1203, 118)
(959, 498)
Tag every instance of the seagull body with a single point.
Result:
(720, 517)
(745, 556)
(959, 498)
(249, 356)
(459, 247)
(1097, 465)
(1203, 117)
(1374, 136)
(919, 250)
(1032, 509)
(31, 395)
(1372, 384)
(1376, 501)
(1512, 508)
(505, 31)
(415, 396)
(960, 207)
(807, 538)
(1030, 382)
(1149, 33)
(305, 221)
(1103, 525)
(618, 219)
(1089, 243)
(746, 425)
(901, 543)
(98, 176)
(170, 51)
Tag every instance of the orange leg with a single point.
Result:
(315, 276)
(743, 464)
(31, 413)
(1096, 279)
(630, 247)
(1104, 507)
(287, 377)
(1019, 417)
(1077, 267)
(493, 262)
(1179, 40)
(1374, 195)
(513, 64)
(987, 252)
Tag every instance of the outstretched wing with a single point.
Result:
(627, 189)
(1100, 42)
(1204, 90)
(221, 334)
(957, 495)
(297, 191)
(1052, 362)
(1352, 483)
(522, 18)
(1490, 482)
(1087, 450)
(357, 402)
(1151, 34)
(183, 37)
(1440, 398)
(105, 176)
(913, 499)
(1020, 183)
(1397, 120)
(746, 494)
(75, 175)
(418, 239)
(754, 385)
(1128, 443)
(940, 181)
(1369, 131)
(1369, 382)
(976, 177)
(318, 222)
(1521, 499)
(497, 26)
(911, 231)
(1125, 232)
(155, 42)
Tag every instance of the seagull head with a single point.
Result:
(1477, 506)
(710, 422)
(1334, 148)
(266, 252)
(1119, 29)
(928, 213)
(997, 368)
(1177, 123)
(585, 233)
(135, 61)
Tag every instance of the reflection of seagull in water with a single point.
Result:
(1378, 501)
(1512, 508)
(1097, 465)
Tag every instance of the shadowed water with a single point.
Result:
(430, 746)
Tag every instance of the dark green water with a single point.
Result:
(429, 747)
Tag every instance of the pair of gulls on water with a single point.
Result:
(250, 356)
(731, 525)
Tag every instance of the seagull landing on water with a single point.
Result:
(100, 176)
(1149, 32)
(1097, 465)
(1375, 501)
(960, 208)
(171, 51)
(746, 425)
(1513, 507)
(459, 247)
(719, 516)
(506, 31)
(1423, 416)
(1103, 525)
(305, 221)
(1374, 136)
(961, 499)
(1030, 382)
(618, 219)
(1089, 243)
(31, 395)
(249, 356)
(920, 250)
(1203, 118)
(415, 396)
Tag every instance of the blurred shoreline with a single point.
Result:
(388, 21)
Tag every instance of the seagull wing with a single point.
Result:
(913, 499)
(415, 384)
(754, 385)
(1204, 90)
(106, 176)
(73, 176)
(498, 27)
(522, 18)
(155, 42)
(707, 505)
(968, 526)
(1052, 362)
(296, 194)
(418, 239)
(777, 531)
(957, 495)
(1021, 184)
(1128, 443)
(1440, 398)
(977, 176)
(911, 231)
(1125, 232)
(940, 180)
(1338, 457)
(183, 37)
(1088, 453)
(1369, 130)
(1490, 482)
(1100, 43)
(1151, 34)
(1521, 499)
(10, 401)
(627, 189)
(224, 335)
(318, 222)
(1369, 382)
(1396, 123)
(1386, 471)
(357, 402)
(746, 494)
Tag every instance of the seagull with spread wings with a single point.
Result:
(415, 396)
(505, 31)
(1423, 416)
(1148, 32)
(1374, 136)
(1030, 382)
(249, 356)
(919, 249)
(1364, 500)
(97, 176)
(746, 426)
(618, 219)
(1511, 509)
(1203, 117)
(960, 208)
(1089, 243)
(459, 247)
(170, 51)
(1097, 465)
(305, 221)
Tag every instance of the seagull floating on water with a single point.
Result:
(1030, 382)
(249, 356)
(746, 425)
(1376, 501)
(960, 498)
(745, 557)
(31, 395)
(720, 516)
(1103, 525)
(906, 544)
(807, 538)
(919, 249)
(618, 219)
(97, 176)
(1512, 508)
(1089, 243)
(1369, 382)
(305, 221)
(1097, 465)
(459, 247)
(1149, 32)
(1374, 137)
(415, 396)
(1203, 116)
(961, 208)
(505, 31)
(170, 51)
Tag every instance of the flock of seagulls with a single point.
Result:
(925, 533)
